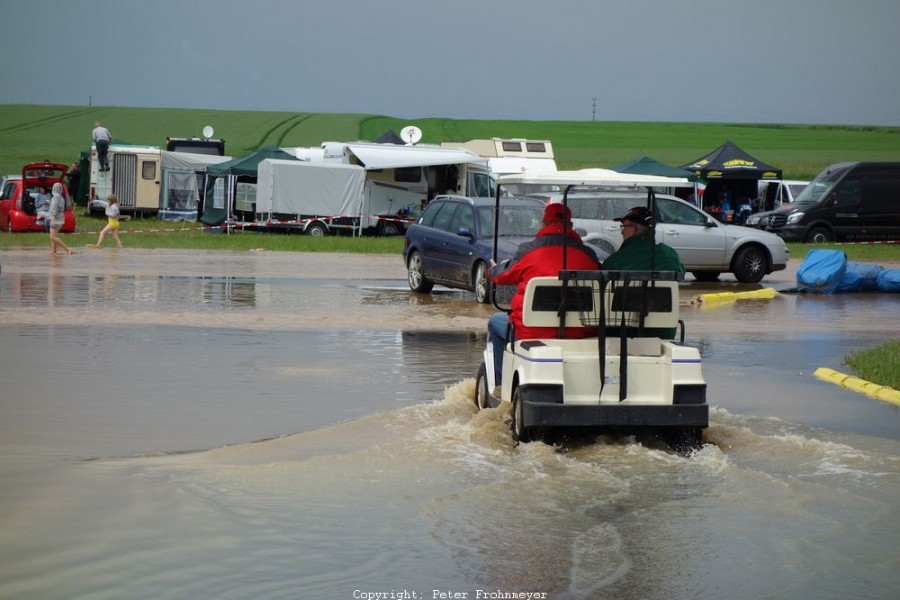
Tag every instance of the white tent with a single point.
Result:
(182, 180)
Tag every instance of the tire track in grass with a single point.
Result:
(293, 126)
(271, 131)
(47, 120)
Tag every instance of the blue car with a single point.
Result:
(451, 243)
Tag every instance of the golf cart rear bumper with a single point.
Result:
(620, 416)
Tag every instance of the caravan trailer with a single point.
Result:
(134, 177)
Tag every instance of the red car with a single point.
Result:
(17, 212)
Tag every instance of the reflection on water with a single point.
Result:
(254, 437)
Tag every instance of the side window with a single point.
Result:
(443, 216)
(847, 192)
(408, 174)
(7, 191)
(462, 218)
(880, 195)
(148, 169)
(480, 184)
(431, 210)
(675, 213)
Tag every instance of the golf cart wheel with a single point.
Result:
(481, 388)
(520, 434)
(685, 439)
(416, 274)
(481, 284)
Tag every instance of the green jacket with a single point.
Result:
(634, 255)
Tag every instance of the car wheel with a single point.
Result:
(604, 245)
(316, 230)
(481, 284)
(706, 276)
(390, 228)
(481, 388)
(819, 235)
(750, 265)
(416, 274)
(520, 434)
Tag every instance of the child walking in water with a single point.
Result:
(112, 227)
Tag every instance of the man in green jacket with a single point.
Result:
(639, 250)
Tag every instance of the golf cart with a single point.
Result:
(630, 378)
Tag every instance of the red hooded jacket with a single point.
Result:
(543, 257)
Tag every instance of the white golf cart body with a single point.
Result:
(627, 379)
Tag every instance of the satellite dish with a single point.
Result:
(208, 132)
(410, 134)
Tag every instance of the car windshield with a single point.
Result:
(518, 221)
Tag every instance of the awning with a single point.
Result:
(377, 156)
(594, 177)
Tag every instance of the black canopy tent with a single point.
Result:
(728, 166)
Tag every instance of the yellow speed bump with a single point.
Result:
(763, 294)
(861, 386)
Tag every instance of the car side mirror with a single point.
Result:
(465, 232)
(710, 222)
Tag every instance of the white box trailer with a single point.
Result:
(315, 197)
(134, 176)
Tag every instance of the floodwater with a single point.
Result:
(264, 425)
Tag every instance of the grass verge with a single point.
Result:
(880, 364)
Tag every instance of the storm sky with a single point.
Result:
(765, 61)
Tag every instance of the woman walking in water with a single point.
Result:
(57, 218)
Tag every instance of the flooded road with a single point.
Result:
(262, 425)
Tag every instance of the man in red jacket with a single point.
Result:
(541, 257)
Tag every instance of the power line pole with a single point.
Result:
(594, 110)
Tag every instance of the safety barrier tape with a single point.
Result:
(245, 224)
(861, 386)
(865, 243)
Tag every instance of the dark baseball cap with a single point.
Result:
(638, 214)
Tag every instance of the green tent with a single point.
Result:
(648, 166)
(222, 180)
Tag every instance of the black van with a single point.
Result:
(854, 201)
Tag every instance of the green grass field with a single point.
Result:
(60, 133)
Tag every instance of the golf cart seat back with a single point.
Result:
(639, 304)
(540, 306)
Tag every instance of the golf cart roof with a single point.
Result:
(593, 177)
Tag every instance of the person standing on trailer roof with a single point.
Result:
(102, 137)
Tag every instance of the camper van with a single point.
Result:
(400, 180)
(512, 156)
(134, 177)
(853, 201)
